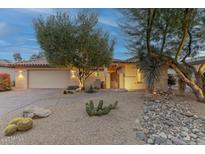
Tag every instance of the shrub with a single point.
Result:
(99, 110)
(91, 90)
(5, 82)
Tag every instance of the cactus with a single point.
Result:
(25, 124)
(100, 105)
(18, 124)
(15, 120)
(99, 110)
(10, 129)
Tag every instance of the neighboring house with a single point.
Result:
(196, 62)
(123, 74)
(5, 67)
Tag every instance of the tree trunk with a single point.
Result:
(81, 84)
(182, 86)
(197, 90)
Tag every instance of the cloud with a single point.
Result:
(4, 28)
(4, 43)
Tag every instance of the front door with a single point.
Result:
(114, 80)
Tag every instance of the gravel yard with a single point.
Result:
(70, 124)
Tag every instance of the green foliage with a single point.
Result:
(91, 90)
(165, 31)
(75, 41)
(151, 69)
(17, 57)
(99, 110)
(37, 56)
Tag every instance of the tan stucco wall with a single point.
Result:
(21, 78)
(130, 78)
(127, 78)
(39, 77)
(95, 75)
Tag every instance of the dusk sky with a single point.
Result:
(17, 33)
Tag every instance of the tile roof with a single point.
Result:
(41, 62)
(132, 59)
(4, 62)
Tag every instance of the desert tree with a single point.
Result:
(17, 57)
(38, 55)
(75, 41)
(168, 37)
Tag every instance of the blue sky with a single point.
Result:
(17, 33)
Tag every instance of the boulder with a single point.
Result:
(36, 112)
(10, 129)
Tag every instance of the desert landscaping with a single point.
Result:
(138, 119)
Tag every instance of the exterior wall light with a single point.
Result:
(72, 74)
(20, 75)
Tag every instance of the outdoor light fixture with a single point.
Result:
(20, 75)
(96, 74)
(72, 74)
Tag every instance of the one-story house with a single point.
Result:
(122, 74)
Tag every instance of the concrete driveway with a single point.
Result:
(13, 100)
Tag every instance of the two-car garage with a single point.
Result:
(49, 79)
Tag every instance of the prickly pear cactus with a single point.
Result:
(99, 110)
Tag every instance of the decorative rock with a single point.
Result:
(157, 101)
(185, 129)
(193, 135)
(150, 141)
(168, 142)
(141, 135)
(184, 134)
(178, 141)
(146, 117)
(10, 129)
(187, 138)
(195, 130)
(201, 142)
(137, 125)
(36, 112)
(188, 114)
(195, 117)
(170, 123)
(192, 143)
(163, 135)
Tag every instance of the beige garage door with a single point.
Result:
(49, 79)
